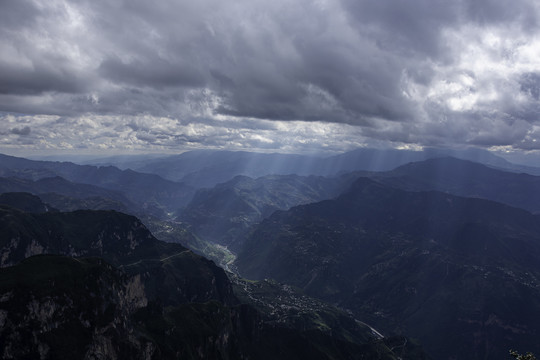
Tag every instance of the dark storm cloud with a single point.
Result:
(411, 28)
(153, 72)
(39, 79)
(26, 57)
(255, 68)
(488, 12)
(21, 131)
(18, 14)
(530, 84)
(415, 72)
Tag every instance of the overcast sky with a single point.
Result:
(280, 75)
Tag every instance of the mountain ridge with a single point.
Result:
(225, 213)
(206, 168)
(402, 259)
(466, 178)
(146, 190)
(141, 298)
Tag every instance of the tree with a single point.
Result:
(527, 356)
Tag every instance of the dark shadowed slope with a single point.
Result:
(67, 196)
(25, 202)
(61, 307)
(460, 274)
(146, 300)
(120, 239)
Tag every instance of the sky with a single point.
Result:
(112, 76)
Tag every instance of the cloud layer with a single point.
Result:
(269, 75)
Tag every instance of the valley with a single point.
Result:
(364, 255)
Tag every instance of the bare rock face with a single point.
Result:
(34, 248)
(133, 296)
(56, 306)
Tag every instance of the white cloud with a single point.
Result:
(161, 134)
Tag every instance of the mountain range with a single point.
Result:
(424, 263)
(97, 284)
(66, 195)
(206, 168)
(148, 191)
(469, 179)
(434, 249)
(226, 212)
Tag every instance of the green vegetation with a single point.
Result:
(181, 233)
(517, 356)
